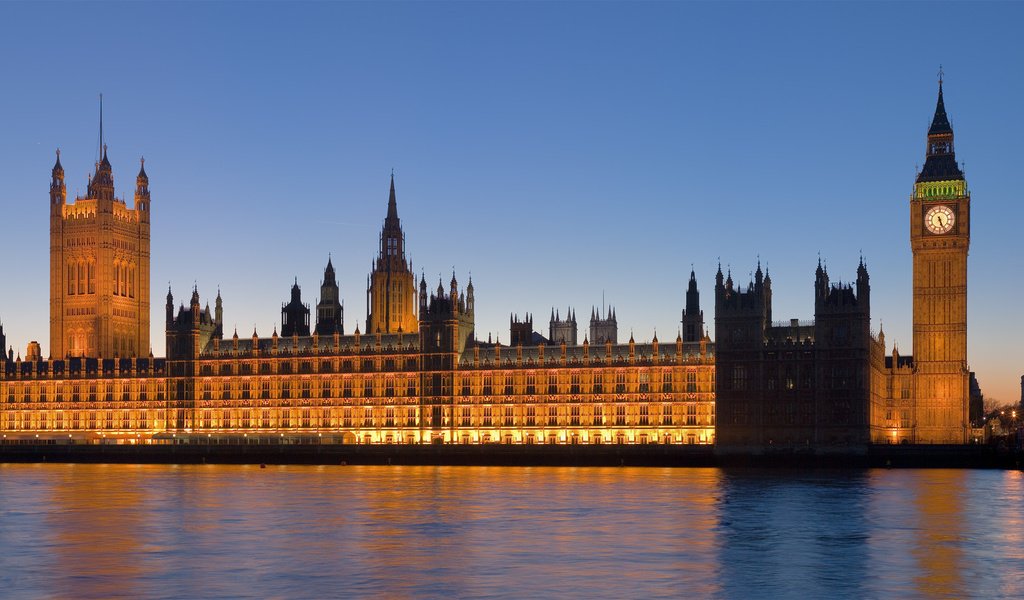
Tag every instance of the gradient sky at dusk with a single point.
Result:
(557, 151)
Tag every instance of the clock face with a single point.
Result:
(939, 219)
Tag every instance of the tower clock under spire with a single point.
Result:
(940, 234)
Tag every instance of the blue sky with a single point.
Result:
(557, 151)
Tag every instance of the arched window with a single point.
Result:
(117, 277)
(71, 283)
(92, 277)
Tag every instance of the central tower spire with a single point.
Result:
(391, 293)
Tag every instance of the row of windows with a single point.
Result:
(288, 366)
(80, 419)
(108, 393)
(82, 278)
(367, 417)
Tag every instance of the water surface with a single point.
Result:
(346, 531)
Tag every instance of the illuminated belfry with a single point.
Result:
(391, 289)
(940, 234)
(99, 267)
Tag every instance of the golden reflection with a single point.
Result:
(940, 520)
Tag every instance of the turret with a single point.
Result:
(562, 331)
(58, 191)
(218, 316)
(454, 294)
(470, 302)
(863, 287)
(520, 330)
(742, 316)
(423, 295)
(295, 314)
(142, 190)
(170, 306)
(604, 328)
(101, 186)
(330, 313)
(194, 305)
(693, 316)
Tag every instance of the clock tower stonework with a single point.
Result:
(940, 234)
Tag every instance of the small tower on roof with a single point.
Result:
(563, 330)
(603, 328)
(693, 316)
(330, 313)
(295, 314)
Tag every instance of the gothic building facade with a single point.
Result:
(418, 373)
(790, 383)
(99, 267)
(829, 383)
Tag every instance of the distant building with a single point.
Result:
(977, 403)
(603, 328)
(563, 330)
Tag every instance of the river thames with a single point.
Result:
(345, 531)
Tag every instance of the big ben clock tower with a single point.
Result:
(940, 233)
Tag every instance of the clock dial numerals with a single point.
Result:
(939, 219)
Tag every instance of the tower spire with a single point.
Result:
(940, 162)
(103, 151)
(392, 203)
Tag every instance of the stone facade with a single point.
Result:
(99, 268)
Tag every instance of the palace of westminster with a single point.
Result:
(417, 374)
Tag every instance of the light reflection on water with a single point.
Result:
(202, 531)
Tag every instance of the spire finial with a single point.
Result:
(941, 74)
(102, 145)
